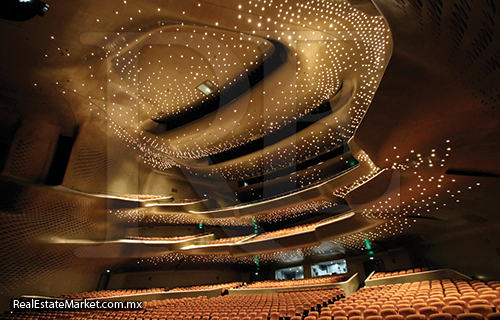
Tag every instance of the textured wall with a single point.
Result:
(174, 279)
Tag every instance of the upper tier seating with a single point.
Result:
(171, 239)
(223, 286)
(227, 240)
(139, 196)
(112, 293)
(152, 197)
(295, 283)
(292, 230)
(380, 275)
(186, 200)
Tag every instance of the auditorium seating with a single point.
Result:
(140, 196)
(295, 283)
(227, 240)
(308, 304)
(171, 239)
(112, 293)
(222, 286)
(427, 300)
(272, 234)
(153, 197)
(379, 275)
(292, 230)
(186, 200)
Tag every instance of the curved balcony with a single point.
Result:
(313, 234)
(286, 239)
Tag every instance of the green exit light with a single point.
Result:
(200, 225)
(368, 245)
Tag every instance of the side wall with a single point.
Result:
(59, 282)
(475, 253)
(393, 260)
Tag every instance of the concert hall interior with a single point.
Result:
(150, 146)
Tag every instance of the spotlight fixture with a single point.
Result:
(22, 10)
(207, 87)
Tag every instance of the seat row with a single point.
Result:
(292, 230)
(176, 238)
(294, 283)
(140, 196)
(428, 300)
(294, 305)
(379, 275)
(227, 240)
(222, 286)
(111, 293)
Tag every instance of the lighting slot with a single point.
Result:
(207, 87)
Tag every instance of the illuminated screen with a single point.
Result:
(290, 273)
(329, 268)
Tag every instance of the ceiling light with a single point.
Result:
(207, 87)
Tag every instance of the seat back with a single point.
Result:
(483, 309)
(470, 316)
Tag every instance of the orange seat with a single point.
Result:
(353, 313)
(403, 305)
(467, 299)
(406, 311)
(427, 311)
(461, 303)
(274, 316)
(439, 305)
(441, 316)
(493, 316)
(478, 301)
(340, 313)
(431, 300)
(489, 297)
(453, 310)
(448, 299)
(394, 317)
(387, 311)
(415, 317)
(470, 316)
(483, 309)
(370, 312)
(347, 308)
